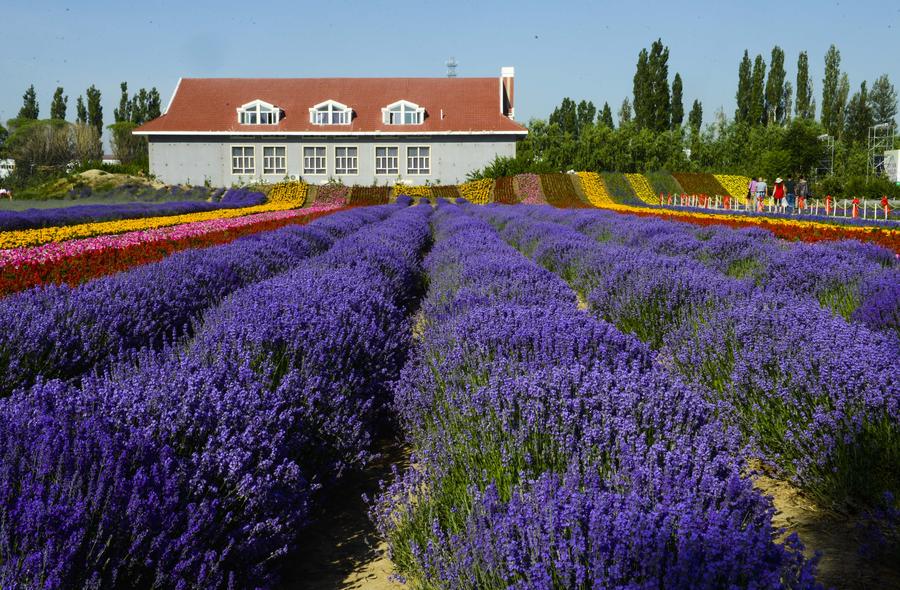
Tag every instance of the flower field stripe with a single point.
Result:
(819, 415)
(62, 332)
(61, 216)
(197, 466)
(78, 261)
(735, 185)
(33, 237)
(641, 187)
(551, 452)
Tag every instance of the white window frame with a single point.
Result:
(387, 170)
(314, 171)
(275, 169)
(418, 170)
(403, 107)
(337, 170)
(256, 108)
(332, 110)
(243, 171)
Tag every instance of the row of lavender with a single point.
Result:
(552, 451)
(40, 218)
(816, 395)
(195, 465)
(61, 331)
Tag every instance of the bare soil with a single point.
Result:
(838, 537)
(342, 550)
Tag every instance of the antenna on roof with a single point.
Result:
(451, 67)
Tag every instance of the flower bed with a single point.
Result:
(289, 192)
(696, 183)
(333, 194)
(505, 190)
(619, 189)
(411, 190)
(369, 195)
(735, 185)
(663, 182)
(642, 188)
(530, 189)
(559, 191)
(446, 191)
(477, 191)
(594, 189)
(76, 261)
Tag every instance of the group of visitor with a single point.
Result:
(785, 194)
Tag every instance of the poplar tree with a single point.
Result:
(775, 88)
(832, 112)
(81, 114)
(883, 100)
(745, 83)
(757, 112)
(641, 90)
(30, 108)
(606, 117)
(123, 112)
(153, 104)
(695, 118)
(859, 116)
(624, 112)
(94, 109)
(660, 111)
(584, 116)
(805, 106)
(59, 104)
(677, 102)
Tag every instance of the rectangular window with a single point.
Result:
(274, 159)
(346, 160)
(314, 160)
(418, 160)
(387, 160)
(242, 159)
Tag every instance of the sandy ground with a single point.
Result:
(342, 549)
(837, 536)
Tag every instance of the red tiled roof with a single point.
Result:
(209, 105)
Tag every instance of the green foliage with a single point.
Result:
(757, 107)
(606, 117)
(695, 118)
(127, 147)
(806, 106)
(742, 115)
(663, 182)
(859, 116)
(81, 111)
(619, 188)
(94, 109)
(883, 100)
(59, 104)
(677, 102)
(775, 96)
(832, 105)
(4, 134)
(624, 112)
(30, 109)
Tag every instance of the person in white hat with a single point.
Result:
(778, 194)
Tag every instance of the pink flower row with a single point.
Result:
(56, 251)
(530, 189)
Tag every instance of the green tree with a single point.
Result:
(841, 102)
(787, 100)
(624, 112)
(59, 104)
(123, 112)
(801, 142)
(565, 117)
(95, 109)
(81, 114)
(859, 116)
(756, 114)
(127, 147)
(584, 115)
(695, 118)
(642, 101)
(883, 100)
(660, 111)
(3, 135)
(806, 108)
(775, 88)
(30, 109)
(606, 117)
(745, 83)
(832, 110)
(677, 102)
(153, 105)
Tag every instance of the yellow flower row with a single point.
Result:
(595, 191)
(34, 237)
(477, 191)
(736, 185)
(642, 188)
(411, 190)
(289, 192)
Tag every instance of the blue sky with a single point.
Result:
(577, 49)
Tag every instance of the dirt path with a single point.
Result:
(342, 549)
(837, 536)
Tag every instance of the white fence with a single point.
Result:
(838, 208)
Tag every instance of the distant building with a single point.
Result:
(110, 160)
(6, 167)
(358, 130)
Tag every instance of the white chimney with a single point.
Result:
(507, 96)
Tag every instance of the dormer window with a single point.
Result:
(403, 112)
(330, 112)
(258, 112)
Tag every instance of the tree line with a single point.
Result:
(774, 131)
(45, 147)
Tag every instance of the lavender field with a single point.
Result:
(587, 400)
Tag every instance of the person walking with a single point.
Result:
(802, 193)
(778, 194)
(762, 191)
(790, 195)
(751, 192)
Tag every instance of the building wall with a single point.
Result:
(195, 160)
